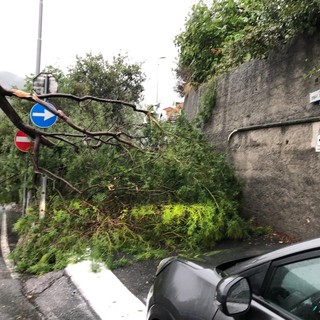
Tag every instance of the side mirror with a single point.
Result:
(234, 295)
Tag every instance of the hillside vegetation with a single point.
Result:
(221, 35)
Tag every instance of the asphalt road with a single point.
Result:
(139, 276)
(13, 303)
(54, 296)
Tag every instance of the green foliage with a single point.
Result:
(183, 197)
(91, 75)
(71, 234)
(81, 232)
(226, 33)
(119, 80)
(172, 192)
(189, 227)
(12, 163)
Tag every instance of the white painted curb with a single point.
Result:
(105, 293)
(4, 244)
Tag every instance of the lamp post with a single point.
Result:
(157, 97)
(39, 41)
(27, 194)
(42, 205)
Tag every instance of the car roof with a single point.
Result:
(287, 251)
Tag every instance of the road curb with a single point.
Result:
(105, 293)
(5, 249)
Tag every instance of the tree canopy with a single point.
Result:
(226, 33)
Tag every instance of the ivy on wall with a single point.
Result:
(207, 103)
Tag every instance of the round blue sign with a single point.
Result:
(42, 117)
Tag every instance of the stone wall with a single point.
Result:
(264, 105)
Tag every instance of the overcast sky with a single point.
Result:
(143, 29)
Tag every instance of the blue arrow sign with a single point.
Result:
(42, 117)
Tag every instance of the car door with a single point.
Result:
(290, 289)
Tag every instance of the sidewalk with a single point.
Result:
(106, 294)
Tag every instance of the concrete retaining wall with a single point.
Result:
(279, 164)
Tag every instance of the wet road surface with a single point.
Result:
(13, 304)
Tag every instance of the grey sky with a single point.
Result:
(143, 29)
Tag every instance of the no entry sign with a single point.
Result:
(22, 141)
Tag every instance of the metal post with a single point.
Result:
(25, 191)
(157, 98)
(29, 198)
(39, 41)
(27, 194)
(42, 205)
(24, 195)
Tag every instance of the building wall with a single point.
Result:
(273, 151)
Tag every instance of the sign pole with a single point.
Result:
(24, 144)
(25, 190)
(42, 206)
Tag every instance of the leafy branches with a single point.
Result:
(40, 135)
(184, 197)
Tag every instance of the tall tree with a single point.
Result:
(119, 80)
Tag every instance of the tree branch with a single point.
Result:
(18, 122)
(64, 117)
(56, 177)
(40, 137)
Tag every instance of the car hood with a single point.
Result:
(224, 258)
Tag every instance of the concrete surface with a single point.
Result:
(57, 298)
(79, 293)
(105, 293)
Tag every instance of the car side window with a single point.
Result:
(295, 287)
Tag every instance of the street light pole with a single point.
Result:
(42, 204)
(157, 97)
(39, 41)
(27, 194)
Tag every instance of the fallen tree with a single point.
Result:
(122, 184)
